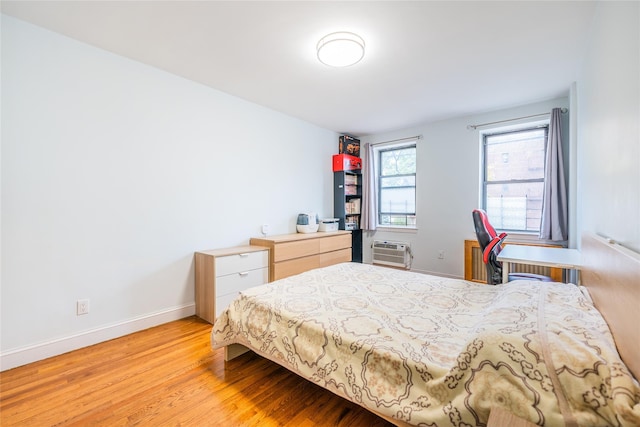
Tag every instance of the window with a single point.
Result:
(514, 178)
(397, 185)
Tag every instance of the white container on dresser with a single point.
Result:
(222, 273)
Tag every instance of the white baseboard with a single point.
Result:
(432, 273)
(435, 273)
(22, 356)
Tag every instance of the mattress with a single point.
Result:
(427, 350)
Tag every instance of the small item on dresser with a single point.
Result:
(329, 224)
(307, 222)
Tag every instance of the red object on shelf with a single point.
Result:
(345, 162)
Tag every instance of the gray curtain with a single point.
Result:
(554, 203)
(369, 197)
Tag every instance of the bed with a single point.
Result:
(425, 350)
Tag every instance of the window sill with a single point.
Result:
(397, 229)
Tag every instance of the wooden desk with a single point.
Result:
(539, 255)
(475, 269)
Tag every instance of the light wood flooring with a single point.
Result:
(168, 376)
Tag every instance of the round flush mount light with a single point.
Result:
(340, 49)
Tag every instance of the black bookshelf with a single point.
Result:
(347, 207)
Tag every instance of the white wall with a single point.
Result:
(114, 173)
(448, 185)
(604, 191)
(609, 125)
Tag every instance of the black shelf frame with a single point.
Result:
(340, 198)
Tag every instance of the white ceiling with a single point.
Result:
(424, 61)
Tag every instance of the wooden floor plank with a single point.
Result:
(168, 376)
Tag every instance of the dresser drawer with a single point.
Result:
(335, 257)
(334, 243)
(295, 266)
(236, 282)
(242, 262)
(290, 250)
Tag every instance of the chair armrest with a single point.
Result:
(496, 241)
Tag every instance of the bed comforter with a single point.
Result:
(432, 351)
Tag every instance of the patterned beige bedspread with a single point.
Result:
(432, 351)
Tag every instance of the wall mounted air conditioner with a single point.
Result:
(394, 254)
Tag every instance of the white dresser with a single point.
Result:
(222, 273)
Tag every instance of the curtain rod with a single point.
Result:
(409, 138)
(563, 110)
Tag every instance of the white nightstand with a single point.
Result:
(222, 273)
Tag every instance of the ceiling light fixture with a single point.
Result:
(340, 49)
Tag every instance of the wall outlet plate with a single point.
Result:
(82, 307)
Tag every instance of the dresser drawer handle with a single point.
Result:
(243, 255)
(243, 274)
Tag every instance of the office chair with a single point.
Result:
(491, 245)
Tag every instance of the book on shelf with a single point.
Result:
(352, 206)
(350, 179)
(350, 190)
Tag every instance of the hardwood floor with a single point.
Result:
(168, 376)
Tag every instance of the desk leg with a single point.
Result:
(572, 275)
(505, 272)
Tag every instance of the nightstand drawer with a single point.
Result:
(236, 282)
(242, 262)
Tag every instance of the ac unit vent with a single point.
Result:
(395, 254)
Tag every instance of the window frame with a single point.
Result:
(525, 127)
(378, 152)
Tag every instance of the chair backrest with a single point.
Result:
(484, 231)
(490, 245)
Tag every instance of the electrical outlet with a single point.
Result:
(265, 229)
(440, 254)
(82, 306)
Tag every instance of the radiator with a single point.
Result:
(394, 254)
